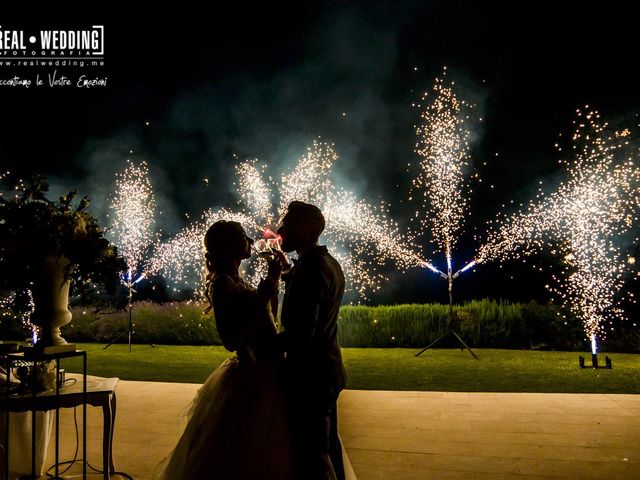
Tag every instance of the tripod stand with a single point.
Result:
(452, 332)
(130, 331)
(450, 277)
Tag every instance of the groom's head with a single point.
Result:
(301, 226)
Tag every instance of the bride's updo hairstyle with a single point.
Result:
(223, 245)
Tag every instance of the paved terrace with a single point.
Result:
(413, 435)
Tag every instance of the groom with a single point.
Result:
(315, 373)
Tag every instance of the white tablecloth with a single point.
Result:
(20, 441)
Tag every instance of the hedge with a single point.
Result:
(481, 323)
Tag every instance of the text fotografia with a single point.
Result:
(53, 80)
(89, 42)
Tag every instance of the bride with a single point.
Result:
(238, 427)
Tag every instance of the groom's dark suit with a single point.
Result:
(316, 375)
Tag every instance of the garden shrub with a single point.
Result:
(175, 323)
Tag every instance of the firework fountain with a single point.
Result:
(440, 187)
(133, 206)
(361, 235)
(584, 222)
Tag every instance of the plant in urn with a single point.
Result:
(45, 245)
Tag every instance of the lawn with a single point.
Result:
(390, 368)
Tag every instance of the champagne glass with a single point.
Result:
(264, 249)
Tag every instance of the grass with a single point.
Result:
(390, 368)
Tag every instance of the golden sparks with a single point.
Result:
(359, 234)
(584, 222)
(443, 175)
(133, 205)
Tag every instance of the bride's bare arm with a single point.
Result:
(269, 286)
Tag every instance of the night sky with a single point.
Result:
(260, 80)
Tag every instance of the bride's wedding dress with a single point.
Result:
(237, 426)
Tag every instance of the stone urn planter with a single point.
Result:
(51, 300)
